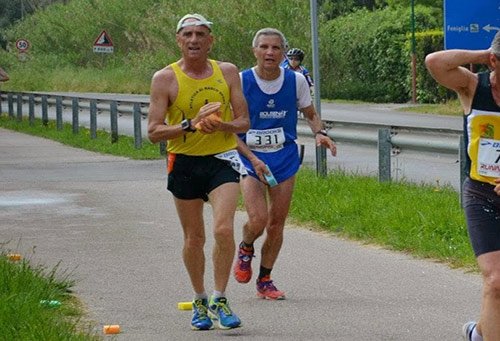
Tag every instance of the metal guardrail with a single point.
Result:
(391, 140)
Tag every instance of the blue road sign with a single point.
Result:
(470, 25)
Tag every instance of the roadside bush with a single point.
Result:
(143, 34)
(428, 90)
(365, 55)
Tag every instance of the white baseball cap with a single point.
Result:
(200, 21)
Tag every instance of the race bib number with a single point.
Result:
(234, 159)
(488, 160)
(265, 141)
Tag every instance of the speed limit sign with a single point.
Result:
(22, 45)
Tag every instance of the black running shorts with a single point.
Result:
(194, 177)
(482, 212)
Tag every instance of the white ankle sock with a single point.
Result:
(475, 335)
(202, 296)
(218, 294)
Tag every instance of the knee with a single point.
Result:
(492, 284)
(275, 231)
(223, 233)
(194, 242)
(258, 222)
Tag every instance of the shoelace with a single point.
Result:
(222, 304)
(245, 259)
(201, 309)
(268, 285)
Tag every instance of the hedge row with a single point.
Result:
(367, 56)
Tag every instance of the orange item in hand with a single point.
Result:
(212, 117)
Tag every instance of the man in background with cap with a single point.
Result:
(479, 94)
(198, 106)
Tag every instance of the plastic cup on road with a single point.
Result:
(111, 329)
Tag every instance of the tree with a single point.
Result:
(12, 11)
(405, 3)
(331, 9)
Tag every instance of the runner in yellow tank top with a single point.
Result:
(203, 163)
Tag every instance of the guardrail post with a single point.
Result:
(45, 112)
(31, 109)
(137, 126)
(114, 121)
(19, 106)
(59, 115)
(321, 168)
(163, 148)
(75, 110)
(93, 119)
(462, 157)
(10, 104)
(384, 155)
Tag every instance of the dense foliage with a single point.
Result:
(363, 55)
(367, 55)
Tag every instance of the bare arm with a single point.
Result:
(162, 85)
(316, 125)
(446, 68)
(258, 165)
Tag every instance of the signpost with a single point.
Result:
(470, 25)
(103, 43)
(22, 46)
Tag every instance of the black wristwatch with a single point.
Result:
(186, 125)
(321, 132)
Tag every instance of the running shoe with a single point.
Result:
(467, 330)
(243, 267)
(218, 309)
(200, 320)
(267, 290)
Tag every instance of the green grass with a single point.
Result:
(23, 317)
(421, 220)
(451, 108)
(123, 147)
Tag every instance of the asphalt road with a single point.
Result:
(112, 225)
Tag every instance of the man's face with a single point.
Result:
(268, 52)
(194, 41)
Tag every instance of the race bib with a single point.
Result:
(488, 159)
(233, 158)
(266, 140)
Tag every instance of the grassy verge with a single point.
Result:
(421, 220)
(123, 147)
(23, 314)
(451, 108)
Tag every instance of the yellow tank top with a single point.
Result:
(192, 95)
(483, 130)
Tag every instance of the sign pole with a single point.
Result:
(413, 56)
(320, 151)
